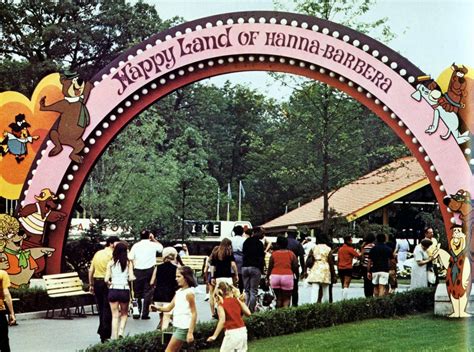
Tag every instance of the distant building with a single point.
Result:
(373, 195)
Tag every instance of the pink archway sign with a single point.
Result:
(372, 73)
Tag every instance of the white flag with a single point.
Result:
(242, 189)
(229, 193)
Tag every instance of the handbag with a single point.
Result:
(431, 277)
(310, 260)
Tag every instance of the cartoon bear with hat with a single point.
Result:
(74, 116)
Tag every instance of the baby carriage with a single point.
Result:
(265, 297)
(133, 307)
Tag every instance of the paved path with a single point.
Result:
(38, 334)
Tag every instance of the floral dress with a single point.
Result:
(319, 272)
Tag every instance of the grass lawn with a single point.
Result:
(423, 332)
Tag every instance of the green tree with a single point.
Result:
(328, 122)
(132, 184)
(40, 37)
(195, 185)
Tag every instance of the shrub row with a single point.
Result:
(36, 299)
(31, 299)
(292, 320)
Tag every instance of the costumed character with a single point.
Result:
(73, 118)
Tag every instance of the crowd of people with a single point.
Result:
(234, 271)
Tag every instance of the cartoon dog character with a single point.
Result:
(33, 217)
(450, 119)
(73, 118)
(15, 142)
(451, 101)
(21, 264)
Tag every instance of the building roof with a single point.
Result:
(363, 196)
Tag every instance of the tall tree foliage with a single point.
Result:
(327, 108)
(40, 37)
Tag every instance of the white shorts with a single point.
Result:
(380, 278)
(235, 340)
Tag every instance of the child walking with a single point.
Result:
(230, 310)
(119, 272)
(184, 309)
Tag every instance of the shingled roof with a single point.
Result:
(363, 196)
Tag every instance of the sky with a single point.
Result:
(432, 34)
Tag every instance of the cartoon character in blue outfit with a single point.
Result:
(15, 142)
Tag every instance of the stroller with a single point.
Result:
(265, 297)
(133, 307)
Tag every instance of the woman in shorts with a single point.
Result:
(282, 269)
(183, 306)
(119, 273)
(345, 256)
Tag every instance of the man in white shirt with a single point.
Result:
(237, 245)
(143, 255)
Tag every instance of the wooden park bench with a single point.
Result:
(67, 289)
(195, 262)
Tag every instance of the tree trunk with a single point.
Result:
(326, 161)
(183, 207)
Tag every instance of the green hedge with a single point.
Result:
(291, 320)
(36, 299)
(31, 299)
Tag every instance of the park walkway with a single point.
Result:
(34, 333)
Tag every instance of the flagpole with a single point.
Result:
(218, 203)
(239, 214)
(229, 195)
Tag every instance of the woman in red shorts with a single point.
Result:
(281, 270)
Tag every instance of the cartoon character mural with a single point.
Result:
(452, 100)
(74, 116)
(15, 142)
(33, 217)
(20, 264)
(458, 261)
(446, 107)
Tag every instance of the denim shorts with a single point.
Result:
(180, 334)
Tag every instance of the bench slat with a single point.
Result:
(61, 276)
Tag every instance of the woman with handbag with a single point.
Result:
(118, 274)
(345, 255)
(320, 267)
(419, 272)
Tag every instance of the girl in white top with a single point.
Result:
(119, 272)
(184, 309)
